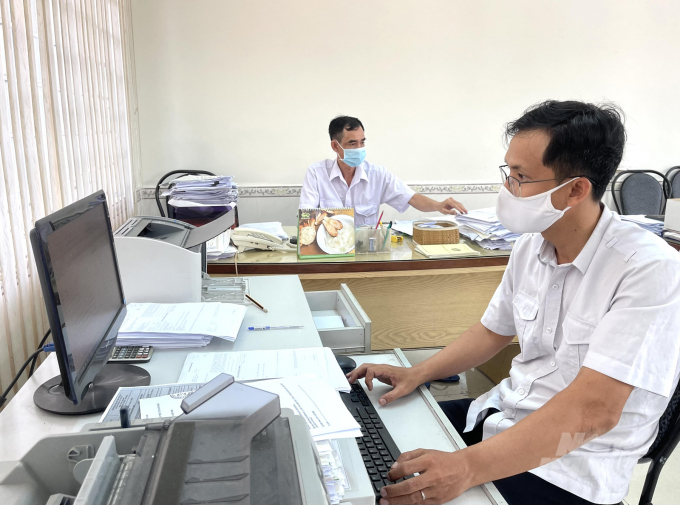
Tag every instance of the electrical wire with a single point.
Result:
(3, 398)
(40, 346)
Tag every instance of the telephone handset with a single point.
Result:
(249, 238)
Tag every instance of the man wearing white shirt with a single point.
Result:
(595, 304)
(350, 181)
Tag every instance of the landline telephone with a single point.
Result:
(249, 238)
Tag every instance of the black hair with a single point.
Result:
(585, 139)
(342, 123)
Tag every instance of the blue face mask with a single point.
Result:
(354, 157)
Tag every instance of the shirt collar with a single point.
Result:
(359, 174)
(546, 253)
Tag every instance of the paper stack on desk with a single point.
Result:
(202, 191)
(333, 471)
(483, 227)
(180, 324)
(259, 365)
(308, 396)
(653, 225)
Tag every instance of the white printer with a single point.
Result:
(162, 260)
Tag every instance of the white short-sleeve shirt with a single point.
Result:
(616, 310)
(371, 186)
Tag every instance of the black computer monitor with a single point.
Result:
(76, 260)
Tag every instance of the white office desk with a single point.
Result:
(416, 422)
(22, 424)
(413, 421)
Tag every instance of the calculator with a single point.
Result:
(131, 354)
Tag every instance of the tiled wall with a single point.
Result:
(280, 203)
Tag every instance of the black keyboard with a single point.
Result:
(377, 448)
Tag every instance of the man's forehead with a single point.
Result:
(357, 134)
(526, 150)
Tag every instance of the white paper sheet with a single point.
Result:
(259, 365)
(314, 399)
(308, 396)
(130, 397)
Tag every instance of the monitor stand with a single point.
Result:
(50, 395)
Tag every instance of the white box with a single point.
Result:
(672, 219)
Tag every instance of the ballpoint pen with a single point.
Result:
(261, 328)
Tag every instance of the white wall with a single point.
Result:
(247, 87)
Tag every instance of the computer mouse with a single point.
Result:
(346, 363)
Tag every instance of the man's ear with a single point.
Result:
(335, 145)
(579, 191)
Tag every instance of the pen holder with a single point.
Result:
(368, 240)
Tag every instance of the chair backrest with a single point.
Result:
(669, 419)
(640, 192)
(673, 176)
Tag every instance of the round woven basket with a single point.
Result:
(446, 234)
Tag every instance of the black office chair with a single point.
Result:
(665, 442)
(641, 193)
(674, 180)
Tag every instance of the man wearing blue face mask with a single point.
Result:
(351, 181)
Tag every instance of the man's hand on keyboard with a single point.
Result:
(442, 478)
(403, 380)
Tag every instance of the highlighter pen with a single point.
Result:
(262, 328)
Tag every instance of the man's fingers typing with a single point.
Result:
(402, 468)
(356, 374)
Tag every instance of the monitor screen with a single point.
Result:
(88, 294)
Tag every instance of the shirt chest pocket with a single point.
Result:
(366, 214)
(525, 311)
(576, 336)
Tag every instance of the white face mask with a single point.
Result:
(533, 214)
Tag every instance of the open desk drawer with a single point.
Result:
(328, 308)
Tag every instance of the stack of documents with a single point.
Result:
(180, 324)
(483, 227)
(308, 396)
(333, 472)
(220, 247)
(656, 227)
(202, 191)
(259, 365)
(445, 250)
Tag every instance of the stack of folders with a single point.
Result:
(483, 227)
(169, 325)
(445, 250)
(202, 191)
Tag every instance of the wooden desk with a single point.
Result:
(412, 301)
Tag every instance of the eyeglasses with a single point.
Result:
(514, 184)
